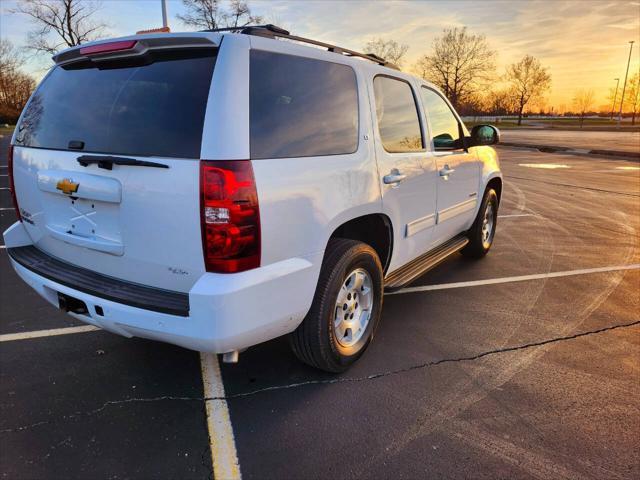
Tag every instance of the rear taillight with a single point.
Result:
(229, 215)
(12, 187)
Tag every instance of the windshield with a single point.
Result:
(155, 109)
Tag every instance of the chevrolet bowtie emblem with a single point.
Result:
(67, 186)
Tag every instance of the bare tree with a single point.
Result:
(613, 97)
(15, 86)
(472, 105)
(501, 102)
(10, 58)
(212, 14)
(583, 102)
(460, 64)
(390, 50)
(541, 104)
(60, 23)
(529, 80)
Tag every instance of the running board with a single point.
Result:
(412, 270)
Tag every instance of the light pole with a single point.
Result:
(615, 95)
(635, 103)
(165, 23)
(624, 85)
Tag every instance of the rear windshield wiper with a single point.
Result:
(107, 161)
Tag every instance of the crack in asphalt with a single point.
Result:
(373, 376)
(433, 363)
(98, 410)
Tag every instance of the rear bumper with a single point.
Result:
(93, 283)
(225, 312)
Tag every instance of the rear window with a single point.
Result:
(148, 110)
(301, 107)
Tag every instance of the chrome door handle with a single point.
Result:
(394, 178)
(446, 171)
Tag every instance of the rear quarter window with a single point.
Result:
(147, 110)
(301, 107)
(397, 113)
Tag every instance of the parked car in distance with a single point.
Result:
(219, 189)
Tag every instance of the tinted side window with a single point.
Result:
(445, 130)
(155, 109)
(397, 115)
(301, 107)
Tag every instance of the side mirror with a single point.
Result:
(483, 135)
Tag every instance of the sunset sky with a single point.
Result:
(584, 43)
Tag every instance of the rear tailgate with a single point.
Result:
(106, 165)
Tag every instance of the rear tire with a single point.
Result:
(482, 232)
(346, 308)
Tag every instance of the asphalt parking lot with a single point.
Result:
(475, 372)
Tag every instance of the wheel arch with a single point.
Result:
(496, 184)
(373, 229)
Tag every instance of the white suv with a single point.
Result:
(219, 189)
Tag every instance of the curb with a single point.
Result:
(575, 151)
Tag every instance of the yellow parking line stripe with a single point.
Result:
(10, 337)
(221, 440)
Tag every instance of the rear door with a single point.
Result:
(458, 171)
(106, 165)
(408, 188)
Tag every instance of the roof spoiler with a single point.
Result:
(110, 50)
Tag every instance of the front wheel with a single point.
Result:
(346, 308)
(483, 229)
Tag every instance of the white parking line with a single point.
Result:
(221, 440)
(10, 337)
(6, 208)
(2, 246)
(616, 170)
(549, 166)
(222, 445)
(521, 278)
(4, 188)
(4, 175)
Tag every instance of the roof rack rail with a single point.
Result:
(273, 31)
